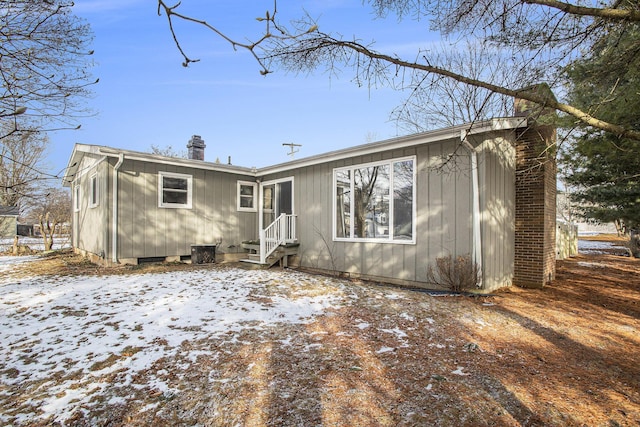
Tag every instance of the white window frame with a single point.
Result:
(391, 239)
(189, 191)
(76, 197)
(254, 200)
(94, 191)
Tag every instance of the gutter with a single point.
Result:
(477, 235)
(492, 125)
(114, 225)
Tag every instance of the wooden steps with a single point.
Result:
(280, 255)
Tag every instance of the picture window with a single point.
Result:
(375, 202)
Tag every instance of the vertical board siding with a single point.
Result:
(443, 217)
(167, 232)
(497, 191)
(89, 223)
(443, 201)
(128, 203)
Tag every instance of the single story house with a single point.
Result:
(382, 211)
(9, 220)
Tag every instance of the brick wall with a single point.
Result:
(535, 217)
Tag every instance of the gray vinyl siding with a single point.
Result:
(90, 224)
(496, 164)
(8, 226)
(443, 212)
(146, 230)
(443, 217)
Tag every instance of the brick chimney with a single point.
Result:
(535, 216)
(196, 148)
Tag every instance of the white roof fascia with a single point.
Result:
(498, 124)
(80, 149)
(176, 161)
(74, 162)
(491, 125)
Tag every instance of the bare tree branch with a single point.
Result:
(547, 33)
(604, 12)
(44, 60)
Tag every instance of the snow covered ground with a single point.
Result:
(61, 336)
(597, 247)
(35, 243)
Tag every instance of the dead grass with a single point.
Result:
(566, 355)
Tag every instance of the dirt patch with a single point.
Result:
(564, 355)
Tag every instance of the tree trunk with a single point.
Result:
(45, 229)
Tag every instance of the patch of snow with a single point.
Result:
(596, 247)
(460, 371)
(406, 317)
(362, 325)
(91, 326)
(385, 350)
(400, 334)
(481, 322)
(7, 263)
(35, 243)
(591, 264)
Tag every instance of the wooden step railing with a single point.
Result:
(280, 231)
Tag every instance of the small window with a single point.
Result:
(174, 190)
(93, 194)
(247, 196)
(76, 198)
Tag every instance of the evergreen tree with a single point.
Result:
(605, 169)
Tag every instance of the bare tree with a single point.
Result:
(21, 155)
(52, 211)
(44, 73)
(435, 101)
(544, 35)
(44, 63)
(168, 151)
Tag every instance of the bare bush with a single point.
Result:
(456, 274)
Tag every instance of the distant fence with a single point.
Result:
(566, 240)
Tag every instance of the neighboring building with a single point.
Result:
(9, 221)
(382, 211)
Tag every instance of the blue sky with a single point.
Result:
(145, 96)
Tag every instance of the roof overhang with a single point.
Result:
(455, 132)
(80, 150)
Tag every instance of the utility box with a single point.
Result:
(203, 254)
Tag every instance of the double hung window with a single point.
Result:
(174, 190)
(247, 196)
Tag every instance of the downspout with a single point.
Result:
(477, 235)
(261, 237)
(114, 214)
